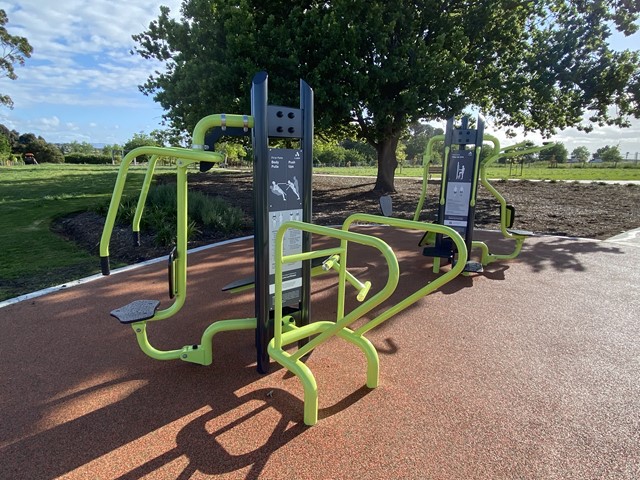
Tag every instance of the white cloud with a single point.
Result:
(80, 46)
(50, 122)
(81, 61)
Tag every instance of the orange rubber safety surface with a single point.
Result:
(530, 370)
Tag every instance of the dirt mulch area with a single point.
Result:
(595, 210)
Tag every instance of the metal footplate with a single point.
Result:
(520, 233)
(473, 267)
(136, 311)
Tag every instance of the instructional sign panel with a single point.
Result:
(459, 187)
(285, 204)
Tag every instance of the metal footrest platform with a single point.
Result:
(520, 233)
(473, 267)
(136, 311)
(444, 250)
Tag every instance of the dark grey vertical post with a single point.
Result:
(260, 143)
(306, 105)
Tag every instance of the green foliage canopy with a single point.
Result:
(609, 154)
(78, 147)
(5, 147)
(43, 151)
(14, 50)
(581, 154)
(556, 153)
(378, 66)
(140, 139)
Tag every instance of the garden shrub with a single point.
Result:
(160, 214)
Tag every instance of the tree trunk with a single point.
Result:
(387, 164)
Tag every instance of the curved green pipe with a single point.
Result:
(426, 161)
(430, 286)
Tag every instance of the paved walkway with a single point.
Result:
(632, 237)
(530, 370)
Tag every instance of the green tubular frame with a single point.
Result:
(144, 191)
(508, 152)
(430, 286)
(201, 129)
(202, 353)
(426, 161)
(285, 333)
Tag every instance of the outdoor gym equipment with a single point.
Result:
(464, 223)
(282, 249)
(274, 170)
(458, 191)
(507, 211)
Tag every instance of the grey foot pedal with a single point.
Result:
(473, 267)
(520, 233)
(243, 282)
(386, 206)
(444, 250)
(136, 311)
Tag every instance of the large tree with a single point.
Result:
(378, 66)
(557, 153)
(14, 50)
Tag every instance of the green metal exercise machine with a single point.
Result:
(458, 192)
(283, 253)
(507, 212)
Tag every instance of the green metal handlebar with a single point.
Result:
(514, 151)
(182, 153)
(430, 286)
(344, 237)
(196, 154)
(218, 120)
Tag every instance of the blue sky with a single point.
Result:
(81, 83)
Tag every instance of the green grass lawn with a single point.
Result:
(30, 198)
(534, 172)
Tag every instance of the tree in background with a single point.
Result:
(365, 153)
(5, 148)
(78, 147)
(11, 135)
(581, 154)
(417, 138)
(557, 153)
(234, 152)
(43, 151)
(140, 139)
(169, 138)
(14, 50)
(609, 154)
(109, 149)
(378, 66)
(487, 151)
